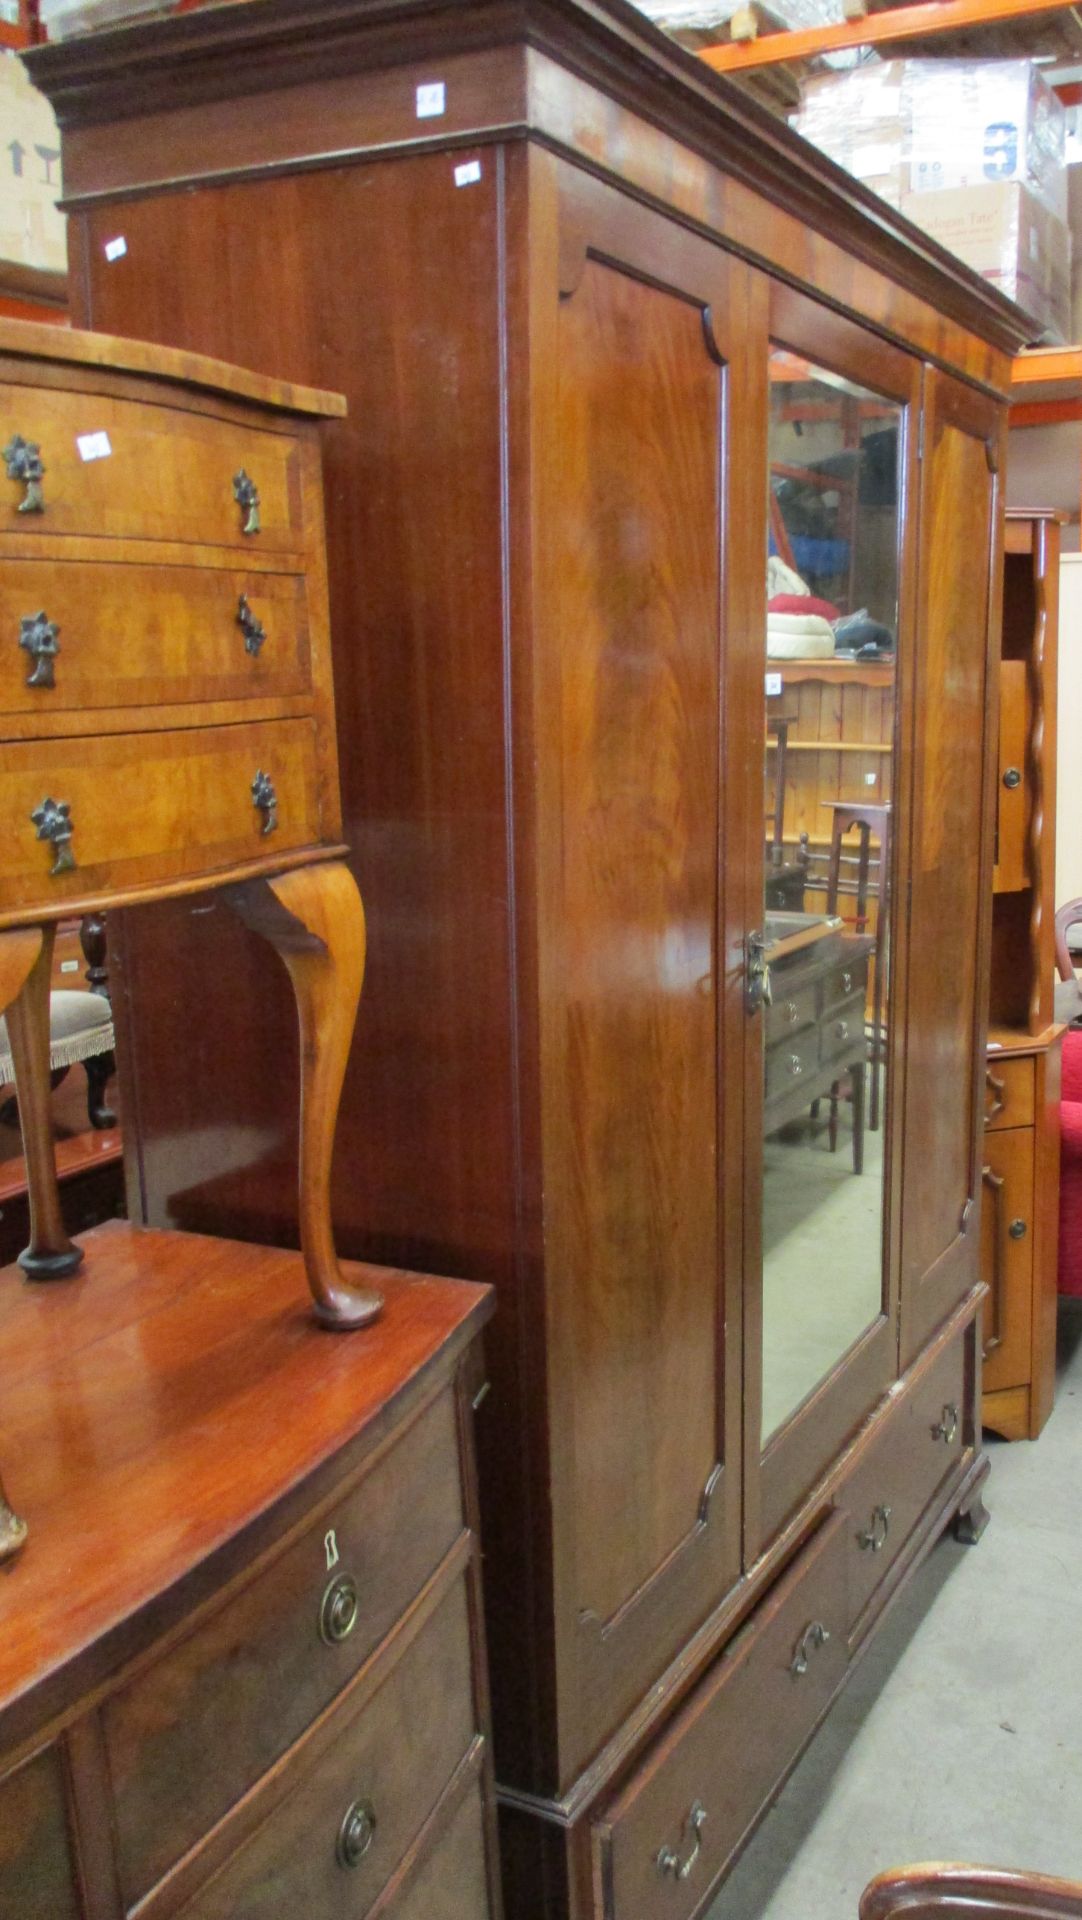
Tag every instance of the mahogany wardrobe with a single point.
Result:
(661, 430)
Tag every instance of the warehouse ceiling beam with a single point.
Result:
(899, 23)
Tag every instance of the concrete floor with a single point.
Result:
(959, 1736)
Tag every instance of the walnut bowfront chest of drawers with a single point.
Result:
(242, 1667)
(166, 708)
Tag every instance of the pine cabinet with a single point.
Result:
(615, 345)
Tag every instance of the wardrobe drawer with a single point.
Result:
(789, 1012)
(249, 1680)
(75, 636)
(144, 809)
(788, 1062)
(683, 1814)
(842, 1032)
(37, 1872)
(125, 469)
(1008, 1092)
(452, 1883)
(919, 1444)
(328, 1849)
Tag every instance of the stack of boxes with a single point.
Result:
(32, 230)
(972, 152)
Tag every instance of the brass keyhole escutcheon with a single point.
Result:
(339, 1611)
(356, 1834)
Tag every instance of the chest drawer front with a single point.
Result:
(842, 1032)
(683, 1815)
(845, 983)
(921, 1442)
(254, 1675)
(790, 1062)
(329, 1848)
(76, 636)
(37, 1873)
(145, 809)
(1008, 1092)
(452, 1883)
(167, 474)
(790, 1010)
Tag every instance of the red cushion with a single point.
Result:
(1071, 1084)
(1070, 1195)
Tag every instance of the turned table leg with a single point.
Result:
(314, 919)
(50, 1255)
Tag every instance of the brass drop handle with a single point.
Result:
(874, 1537)
(946, 1428)
(54, 824)
(668, 1862)
(1012, 778)
(246, 495)
(251, 626)
(813, 1636)
(23, 461)
(356, 1834)
(39, 637)
(339, 1611)
(265, 800)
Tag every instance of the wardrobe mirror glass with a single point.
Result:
(832, 622)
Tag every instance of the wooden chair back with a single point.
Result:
(943, 1892)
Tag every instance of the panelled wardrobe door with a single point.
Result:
(639, 342)
(826, 1053)
(949, 908)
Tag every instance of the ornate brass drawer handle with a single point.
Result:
(946, 1429)
(875, 1535)
(54, 824)
(339, 1611)
(265, 800)
(252, 628)
(39, 636)
(813, 1636)
(24, 463)
(356, 1834)
(669, 1864)
(246, 495)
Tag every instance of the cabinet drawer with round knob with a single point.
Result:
(87, 819)
(78, 637)
(664, 1841)
(100, 465)
(354, 1808)
(251, 1676)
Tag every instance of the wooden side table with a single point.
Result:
(166, 708)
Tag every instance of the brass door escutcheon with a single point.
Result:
(54, 824)
(246, 495)
(39, 637)
(24, 463)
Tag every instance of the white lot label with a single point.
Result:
(116, 249)
(469, 174)
(773, 685)
(431, 100)
(93, 446)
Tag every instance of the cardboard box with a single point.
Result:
(32, 232)
(1004, 232)
(858, 119)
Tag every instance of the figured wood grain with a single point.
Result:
(127, 1389)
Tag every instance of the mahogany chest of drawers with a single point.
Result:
(242, 1666)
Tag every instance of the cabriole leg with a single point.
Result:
(50, 1255)
(314, 919)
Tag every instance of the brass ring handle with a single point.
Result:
(356, 1834)
(668, 1861)
(38, 636)
(339, 1611)
(875, 1535)
(265, 800)
(23, 461)
(946, 1428)
(54, 824)
(246, 495)
(813, 1636)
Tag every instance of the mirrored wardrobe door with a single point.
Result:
(822, 992)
